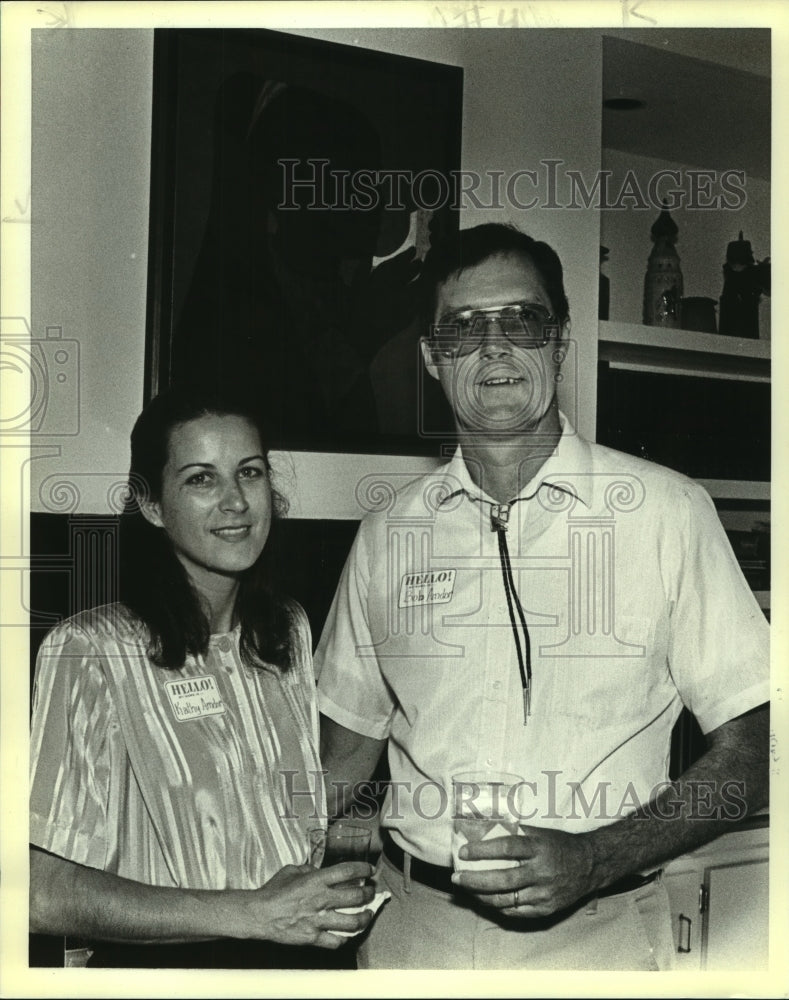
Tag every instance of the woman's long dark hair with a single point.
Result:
(153, 583)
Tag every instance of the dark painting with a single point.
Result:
(296, 186)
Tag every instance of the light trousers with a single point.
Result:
(422, 928)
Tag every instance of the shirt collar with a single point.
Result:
(567, 468)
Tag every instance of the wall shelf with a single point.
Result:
(736, 489)
(635, 347)
(684, 340)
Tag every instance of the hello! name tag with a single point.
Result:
(433, 587)
(195, 698)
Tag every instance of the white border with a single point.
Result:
(15, 978)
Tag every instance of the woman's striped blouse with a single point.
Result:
(204, 777)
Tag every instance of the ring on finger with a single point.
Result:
(515, 900)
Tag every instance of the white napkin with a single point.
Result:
(375, 904)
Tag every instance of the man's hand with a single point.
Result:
(554, 871)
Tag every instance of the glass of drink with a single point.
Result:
(486, 804)
(342, 841)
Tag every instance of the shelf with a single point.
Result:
(683, 352)
(736, 489)
(683, 340)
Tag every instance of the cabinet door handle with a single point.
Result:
(685, 923)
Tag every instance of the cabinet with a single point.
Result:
(695, 401)
(719, 897)
(700, 403)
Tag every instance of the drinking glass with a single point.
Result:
(342, 841)
(486, 804)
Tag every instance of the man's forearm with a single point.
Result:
(348, 759)
(728, 782)
(555, 868)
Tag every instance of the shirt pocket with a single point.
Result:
(608, 678)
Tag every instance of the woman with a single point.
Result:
(174, 763)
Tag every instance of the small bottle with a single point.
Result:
(663, 282)
(742, 288)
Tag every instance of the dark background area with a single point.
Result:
(215, 296)
(708, 428)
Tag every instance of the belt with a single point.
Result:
(435, 876)
(440, 878)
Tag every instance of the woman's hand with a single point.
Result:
(296, 906)
(299, 904)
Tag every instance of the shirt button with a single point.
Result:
(224, 644)
(489, 762)
(496, 685)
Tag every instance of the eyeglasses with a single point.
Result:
(524, 324)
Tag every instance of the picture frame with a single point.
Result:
(296, 185)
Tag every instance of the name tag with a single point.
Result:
(433, 587)
(195, 698)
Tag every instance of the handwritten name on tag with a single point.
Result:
(432, 587)
(195, 698)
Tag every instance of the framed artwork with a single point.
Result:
(296, 185)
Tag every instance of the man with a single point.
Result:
(541, 606)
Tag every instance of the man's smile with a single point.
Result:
(499, 380)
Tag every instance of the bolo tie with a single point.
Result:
(499, 522)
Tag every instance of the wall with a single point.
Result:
(529, 95)
(91, 136)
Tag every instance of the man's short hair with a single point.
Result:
(469, 247)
